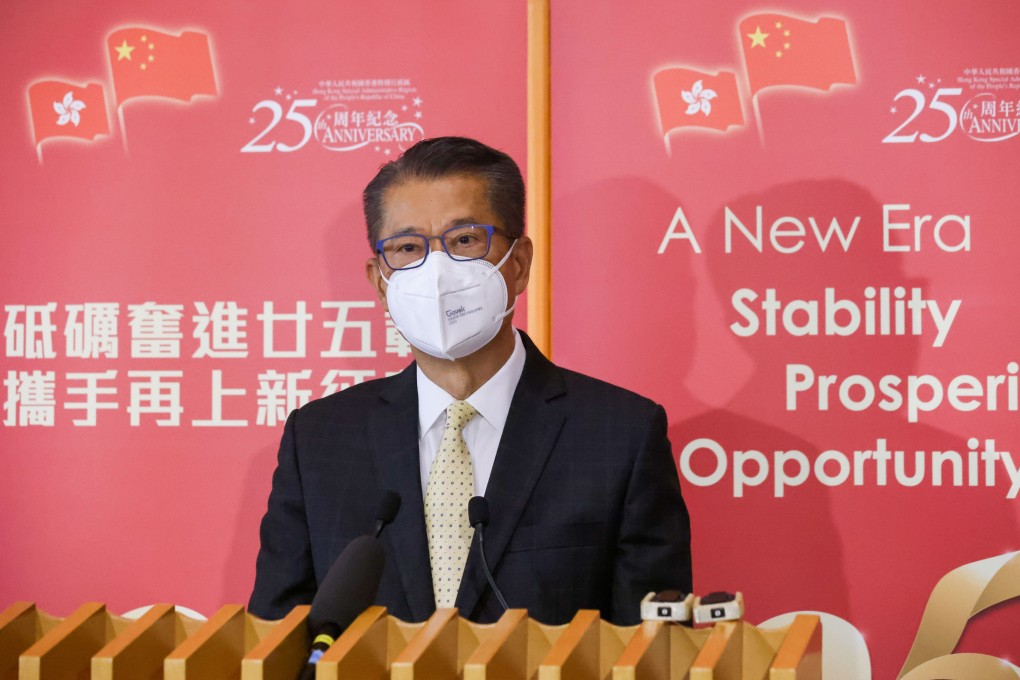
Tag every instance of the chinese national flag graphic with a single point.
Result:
(61, 109)
(781, 50)
(689, 98)
(150, 63)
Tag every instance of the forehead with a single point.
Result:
(434, 204)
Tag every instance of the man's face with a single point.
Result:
(430, 207)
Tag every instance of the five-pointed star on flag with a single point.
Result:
(757, 38)
(124, 51)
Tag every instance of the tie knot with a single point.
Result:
(458, 414)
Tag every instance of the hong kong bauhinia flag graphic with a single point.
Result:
(61, 109)
(782, 50)
(689, 98)
(151, 63)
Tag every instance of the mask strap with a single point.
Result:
(509, 310)
(506, 257)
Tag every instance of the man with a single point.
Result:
(584, 497)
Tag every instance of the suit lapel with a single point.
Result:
(394, 431)
(531, 429)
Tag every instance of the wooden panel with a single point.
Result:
(470, 636)
(575, 654)
(282, 647)
(233, 645)
(398, 636)
(721, 657)
(646, 656)
(19, 630)
(360, 653)
(66, 651)
(432, 654)
(612, 641)
(214, 651)
(541, 639)
(503, 655)
(800, 655)
(759, 648)
(137, 653)
(684, 645)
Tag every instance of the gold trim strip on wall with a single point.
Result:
(539, 170)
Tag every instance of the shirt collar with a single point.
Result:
(491, 400)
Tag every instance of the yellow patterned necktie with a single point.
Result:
(451, 485)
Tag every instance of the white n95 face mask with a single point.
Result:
(448, 308)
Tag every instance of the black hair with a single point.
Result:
(441, 157)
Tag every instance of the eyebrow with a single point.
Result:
(452, 223)
(465, 220)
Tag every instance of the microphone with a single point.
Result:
(389, 506)
(348, 589)
(478, 516)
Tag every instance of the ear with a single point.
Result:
(521, 256)
(374, 276)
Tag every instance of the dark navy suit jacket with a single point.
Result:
(584, 500)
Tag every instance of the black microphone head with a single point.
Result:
(389, 506)
(350, 585)
(478, 511)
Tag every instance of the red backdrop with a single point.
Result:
(183, 253)
(874, 118)
(211, 207)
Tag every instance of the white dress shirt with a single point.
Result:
(483, 432)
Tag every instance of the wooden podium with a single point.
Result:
(92, 643)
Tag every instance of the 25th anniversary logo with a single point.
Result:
(380, 114)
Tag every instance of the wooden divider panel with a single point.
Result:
(432, 653)
(646, 655)
(20, 627)
(233, 645)
(214, 651)
(613, 641)
(541, 639)
(503, 655)
(470, 637)
(281, 649)
(361, 651)
(399, 635)
(66, 650)
(721, 657)
(800, 655)
(137, 652)
(759, 648)
(684, 646)
(575, 654)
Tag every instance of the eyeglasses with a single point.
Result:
(463, 242)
